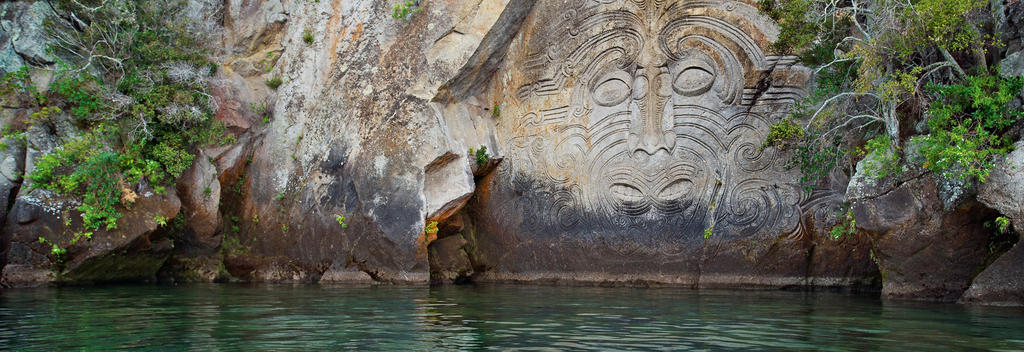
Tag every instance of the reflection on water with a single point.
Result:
(235, 317)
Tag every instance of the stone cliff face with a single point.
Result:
(623, 143)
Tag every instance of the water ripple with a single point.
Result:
(503, 318)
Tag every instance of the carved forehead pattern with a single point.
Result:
(648, 114)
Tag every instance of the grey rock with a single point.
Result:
(1012, 65)
(28, 37)
(199, 190)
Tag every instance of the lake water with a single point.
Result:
(393, 318)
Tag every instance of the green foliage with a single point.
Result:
(496, 111)
(480, 155)
(274, 82)
(232, 246)
(708, 232)
(798, 29)
(402, 10)
(261, 111)
(160, 220)
(881, 160)
(967, 126)
(944, 22)
(1003, 224)
(341, 221)
(307, 37)
(17, 136)
(431, 229)
(172, 155)
(872, 60)
(14, 86)
(59, 253)
(815, 159)
(781, 134)
(847, 225)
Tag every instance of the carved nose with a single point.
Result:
(654, 113)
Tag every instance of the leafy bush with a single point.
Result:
(781, 134)
(967, 125)
(881, 160)
(133, 75)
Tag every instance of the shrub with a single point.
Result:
(967, 125)
(134, 77)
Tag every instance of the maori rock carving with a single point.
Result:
(648, 115)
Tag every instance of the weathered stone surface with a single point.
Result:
(1012, 65)
(353, 134)
(199, 191)
(618, 132)
(12, 165)
(129, 253)
(23, 22)
(447, 186)
(923, 251)
(449, 261)
(1010, 23)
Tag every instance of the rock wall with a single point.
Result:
(623, 146)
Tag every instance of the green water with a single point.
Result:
(316, 318)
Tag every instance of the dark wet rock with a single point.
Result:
(923, 251)
(131, 252)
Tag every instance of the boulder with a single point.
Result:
(923, 250)
(132, 252)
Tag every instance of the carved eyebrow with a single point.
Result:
(621, 18)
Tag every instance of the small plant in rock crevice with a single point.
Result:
(403, 10)
(274, 82)
(307, 37)
(480, 155)
(341, 221)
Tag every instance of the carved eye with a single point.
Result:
(693, 81)
(626, 192)
(611, 92)
(675, 190)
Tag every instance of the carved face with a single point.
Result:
(649, 111)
